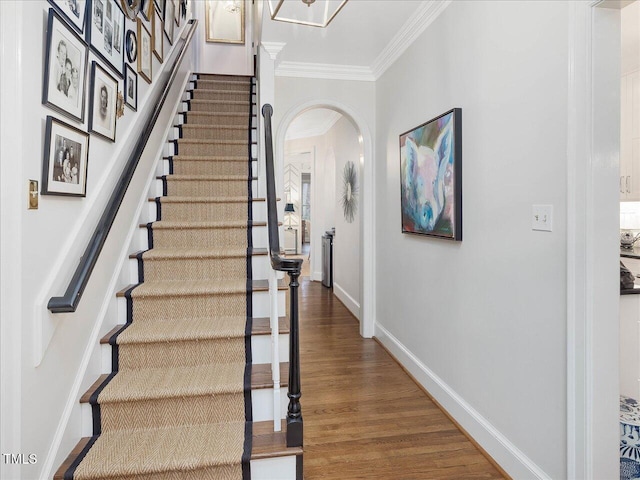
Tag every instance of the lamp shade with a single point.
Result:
(288, 208)
(318, 13)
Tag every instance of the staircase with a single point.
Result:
(190, 391)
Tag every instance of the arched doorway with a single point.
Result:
(365, 262)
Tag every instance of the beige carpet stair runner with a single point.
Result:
(178, 403)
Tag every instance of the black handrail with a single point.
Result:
(71, 298)
(292, 266)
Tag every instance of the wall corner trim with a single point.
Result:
(505, 453)
(426, 13)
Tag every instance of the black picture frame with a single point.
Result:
(64, 87)
(73, 11)
(103, 103)
(131, 46)
(64, 164)
(131, 88)
(431, 177)
(105, 33)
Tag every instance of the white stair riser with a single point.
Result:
(277, 468)
(261, 348)
(261, 404)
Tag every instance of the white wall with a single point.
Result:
(52, 241)
(482, 323)
(347, 242)
(224, 58)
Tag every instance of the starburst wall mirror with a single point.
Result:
(349, 198)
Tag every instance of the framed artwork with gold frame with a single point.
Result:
(157, 29)
(224, 21)
(145, 57)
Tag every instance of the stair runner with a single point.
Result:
(178, 403)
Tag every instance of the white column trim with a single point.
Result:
(13, 203)
(591, 415)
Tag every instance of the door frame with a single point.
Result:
(593, 240)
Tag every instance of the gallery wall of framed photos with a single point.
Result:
(95, 52)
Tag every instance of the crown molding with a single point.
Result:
(407, 34)
(324, 70)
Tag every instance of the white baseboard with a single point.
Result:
(505, 453)
(347, 300)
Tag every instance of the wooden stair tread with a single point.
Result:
(269, 444)
(260, 378)
(261, 326)
(59, 475)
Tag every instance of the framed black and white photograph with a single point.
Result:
(145, 59)
(131, 87)
(131, 46)
(169, 21)
(103, 103)
(73, 11)
(64, 165)
(64, 83)
(157, 27)
(105, 34)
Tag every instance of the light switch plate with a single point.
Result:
(542, 218)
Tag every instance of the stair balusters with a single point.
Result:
(292, 266)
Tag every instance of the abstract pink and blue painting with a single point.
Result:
(431, 177)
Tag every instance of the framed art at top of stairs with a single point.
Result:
(431, 177)
(224, 21)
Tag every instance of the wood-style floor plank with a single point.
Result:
(364, 417)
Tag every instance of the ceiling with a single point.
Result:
(356, 37)
(312, 123)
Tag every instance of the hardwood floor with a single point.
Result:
(364, 417)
